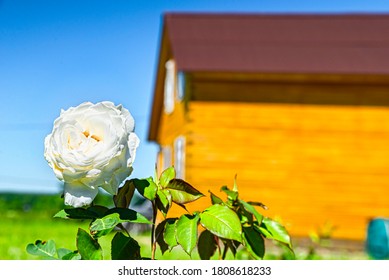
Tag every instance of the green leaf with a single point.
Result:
(129, 215)
(77, 213)
(88, 247)
(164, 201)
(277, 231)
(254, 242)
(72, 256)
(167, 175)
(106, 224)
(156, 179)
(260, 204)
(215, 199)
(44, 249)
(62, 252)
(124, 248)
(264, 231)
(146, 187)
(251, 209)
(244, 216)
(182, 192)
(207, 245)
(98, 210)
(186, 232)
(61, 214)
(288, 253)
(170, 233)
(125, 193)
(222, 222)
(235, 188)
(232, 195)
(159, 231)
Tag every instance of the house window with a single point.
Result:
(166, 158)
(169, 86)
(180, 86)
(179, 157)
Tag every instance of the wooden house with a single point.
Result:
(296, 105)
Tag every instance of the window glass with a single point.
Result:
(169, 87)
(179, 157)
(180, 86)
(164, 158)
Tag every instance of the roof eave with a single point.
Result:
(157, 106)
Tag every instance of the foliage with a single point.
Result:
(28, 202)
(223, 227)
(235, 222)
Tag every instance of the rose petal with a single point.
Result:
(79, 195)
(133, 143)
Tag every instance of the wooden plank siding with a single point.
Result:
(172, 125)
(310, 164)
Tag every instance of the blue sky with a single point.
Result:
(57, 54)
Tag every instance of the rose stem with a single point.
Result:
(153, 242)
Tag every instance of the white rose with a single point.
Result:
(91, 146)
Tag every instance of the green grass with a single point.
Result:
(19, 229)
(25, 218)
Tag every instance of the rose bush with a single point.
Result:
(91, 146)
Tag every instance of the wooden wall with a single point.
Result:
(310, 164)
(311, 159)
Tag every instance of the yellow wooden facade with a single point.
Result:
(313, 148)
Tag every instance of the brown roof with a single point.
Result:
(352, 44)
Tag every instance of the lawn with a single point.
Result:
(19, 229)
(25, 218)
